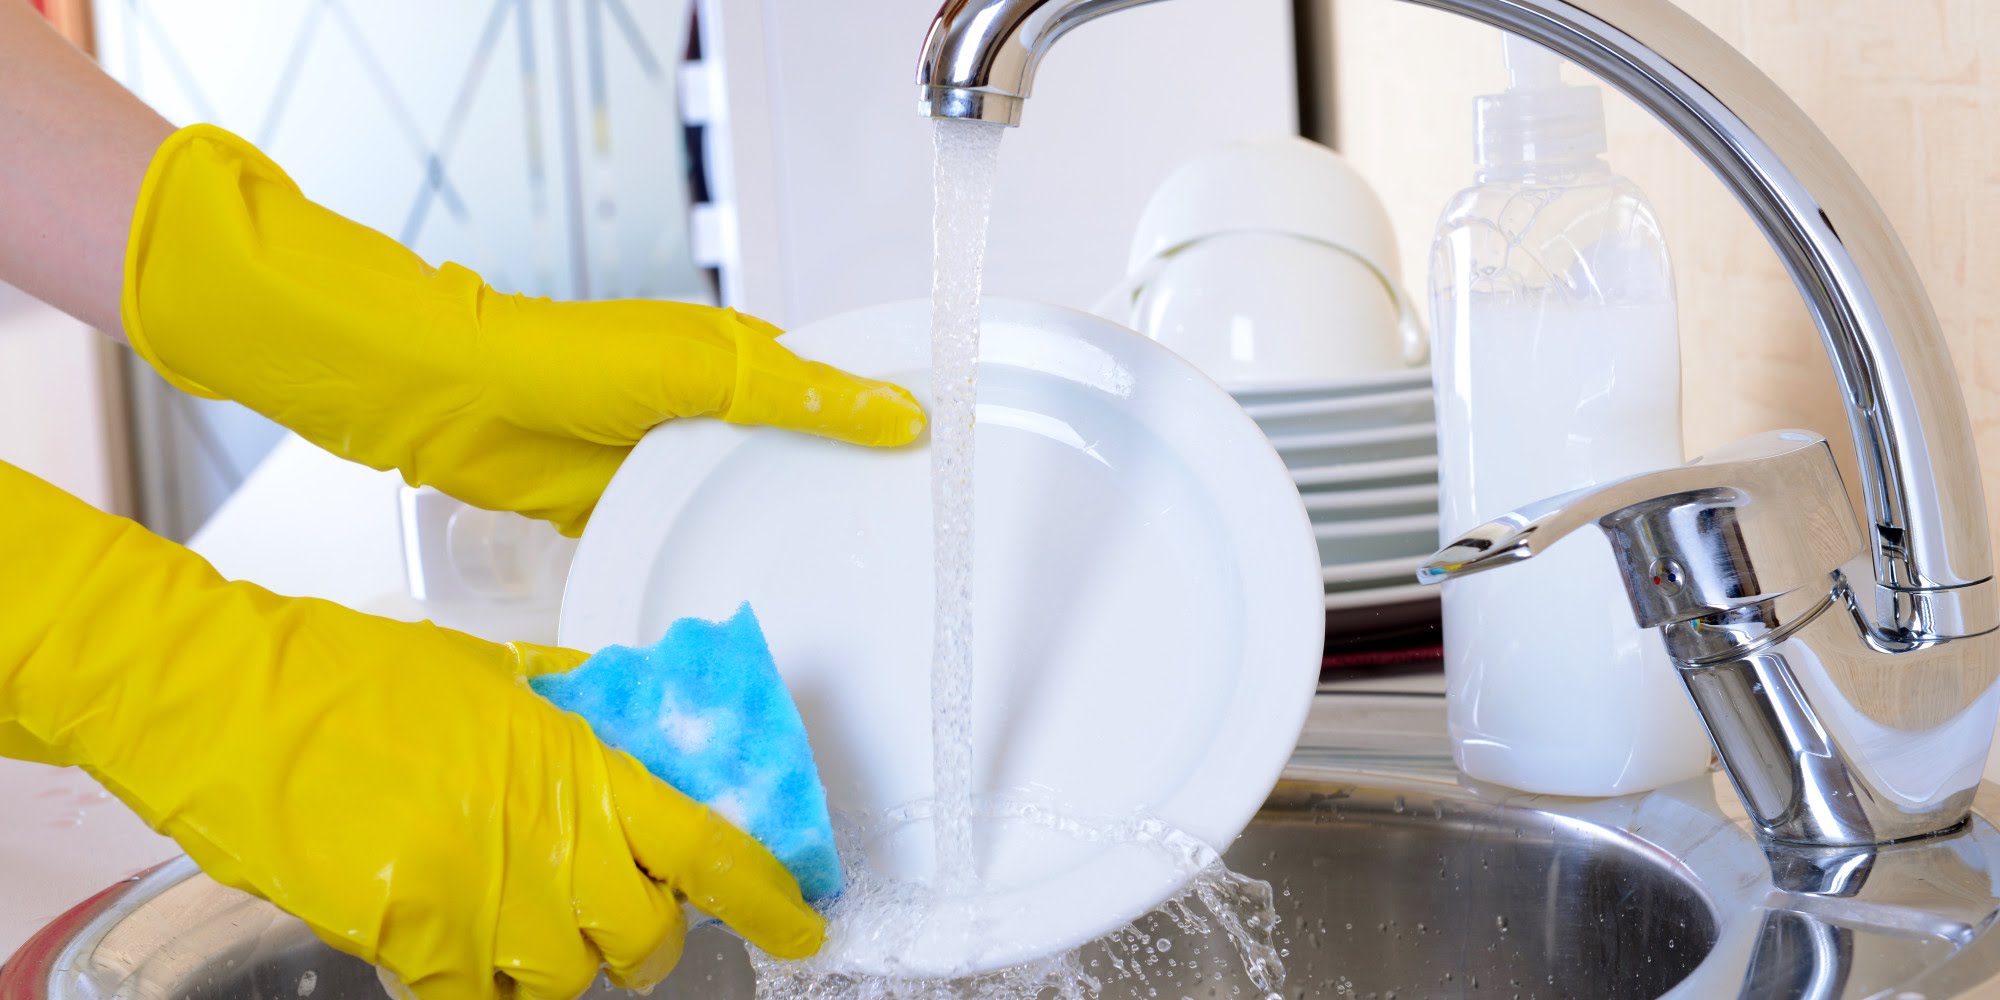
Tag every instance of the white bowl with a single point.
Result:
(1149, 615)
(1268, 309)
(1282, 184)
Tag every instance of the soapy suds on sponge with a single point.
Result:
(1225, 923)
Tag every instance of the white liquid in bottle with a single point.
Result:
(1557, 367)
(1552, 686)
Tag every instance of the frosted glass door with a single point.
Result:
(536, 141)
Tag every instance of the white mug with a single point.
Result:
(454, 552)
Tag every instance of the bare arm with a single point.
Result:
(74, 146)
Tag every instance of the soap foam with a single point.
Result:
(1226, 924)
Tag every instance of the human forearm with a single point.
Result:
(74, 146)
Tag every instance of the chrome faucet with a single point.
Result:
(1845, 675)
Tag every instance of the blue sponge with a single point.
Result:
(705, 710)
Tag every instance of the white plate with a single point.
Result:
(1374, 597)
(1363, 410)
(1149, 617)
(1338, 549)
(1385, 571)
(1377, 444)
(1411, 471)
(1387, 501)
(1355, 438)
(1402, 378)
(1425, 525)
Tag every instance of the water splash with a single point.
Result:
(966, 156)
(1219, 930)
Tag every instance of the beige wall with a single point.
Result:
(1897, 86)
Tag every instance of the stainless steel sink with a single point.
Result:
(1396, 877)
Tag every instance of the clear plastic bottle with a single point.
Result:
(1557, 366)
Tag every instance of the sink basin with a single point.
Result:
(1395, 877)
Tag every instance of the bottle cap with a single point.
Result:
(1538, 117)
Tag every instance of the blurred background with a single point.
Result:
(765, 154)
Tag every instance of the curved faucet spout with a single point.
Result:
(1932, 560)
(980, 57)
(1852, 700)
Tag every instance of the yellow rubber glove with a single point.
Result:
(236, 286)
(397, 786)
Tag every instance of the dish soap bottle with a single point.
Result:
(1557, 366)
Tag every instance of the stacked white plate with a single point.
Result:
(1363, 453)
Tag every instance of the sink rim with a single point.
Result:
(1395, 742)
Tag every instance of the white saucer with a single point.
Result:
(1149, 618)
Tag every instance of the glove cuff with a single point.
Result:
(189, 152)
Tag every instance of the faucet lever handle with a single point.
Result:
(1745, 523)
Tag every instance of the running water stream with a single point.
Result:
(1218, 932)
(966, 157)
